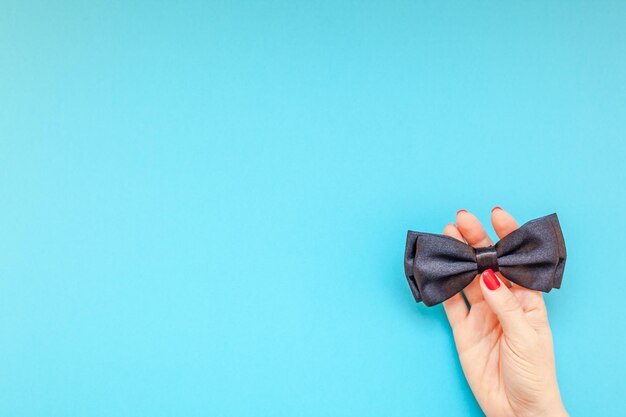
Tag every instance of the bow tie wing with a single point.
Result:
(437, 267)
(534, 255)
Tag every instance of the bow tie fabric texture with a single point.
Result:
(438, 266)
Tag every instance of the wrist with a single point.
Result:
(550, 409)
(556, 410)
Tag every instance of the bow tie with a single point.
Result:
(437, 266)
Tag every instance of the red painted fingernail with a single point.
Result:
(491, 281)
(496, 208)
(461, 211)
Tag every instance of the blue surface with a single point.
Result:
(204, 204)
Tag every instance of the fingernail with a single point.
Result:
(461, 211)
(496, 208)
(490, 279)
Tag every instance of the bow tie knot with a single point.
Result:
(486, 258)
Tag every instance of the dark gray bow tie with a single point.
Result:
(437, 266)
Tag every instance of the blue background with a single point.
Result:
(204, 204)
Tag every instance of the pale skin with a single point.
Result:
(503, 338)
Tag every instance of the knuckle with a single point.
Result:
(510, 305)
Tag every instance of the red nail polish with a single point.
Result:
(461, 211)
(490, 279)
(496, 208)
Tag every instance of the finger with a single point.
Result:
(456, 310)
(503, 223)
(474, 234)
(507, 308)
(455, 307)
(452, 231)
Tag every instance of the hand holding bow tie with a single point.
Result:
(502, 334)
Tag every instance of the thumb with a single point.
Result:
(506, 307)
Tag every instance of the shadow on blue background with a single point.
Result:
(204, 204)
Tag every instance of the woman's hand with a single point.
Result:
(503, 339)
